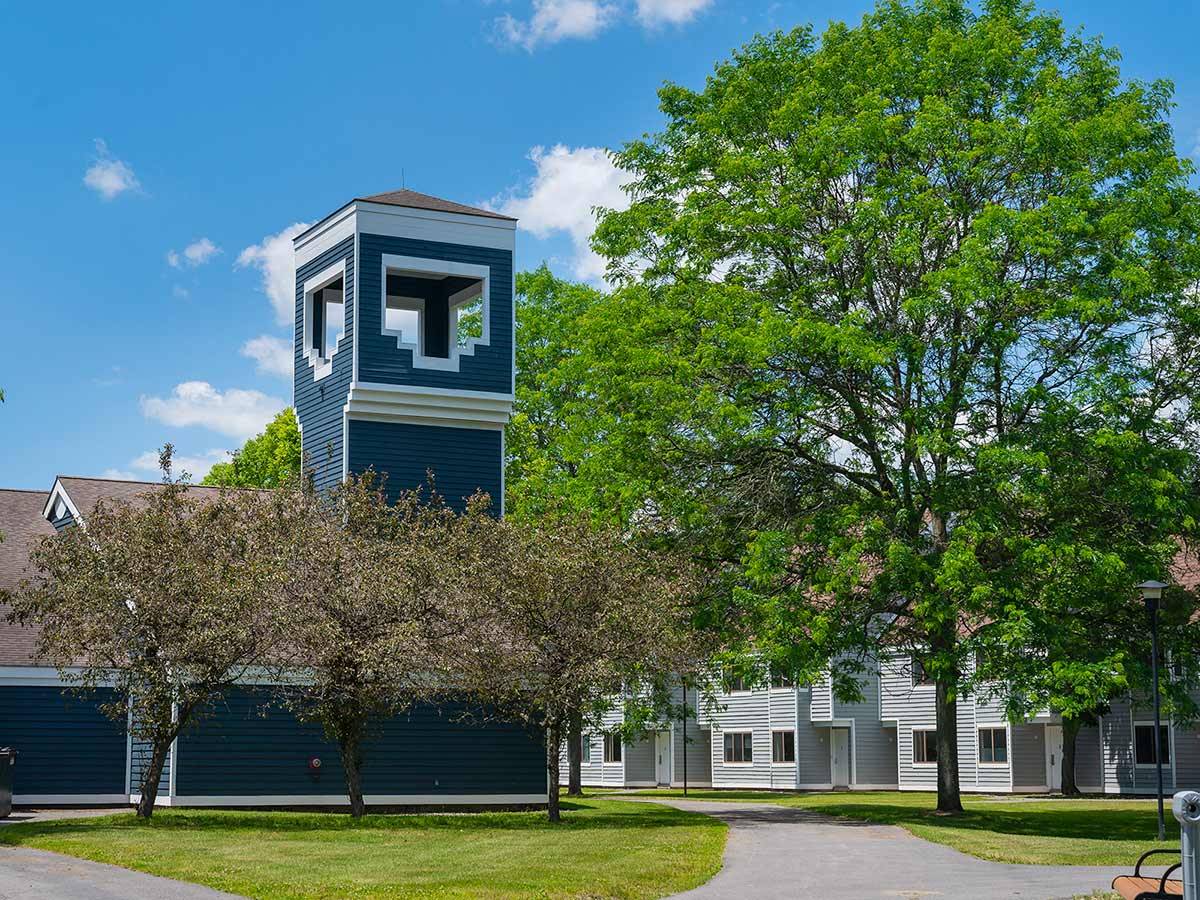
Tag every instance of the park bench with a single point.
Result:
(1143, 887)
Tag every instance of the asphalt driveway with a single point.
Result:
(777, 851)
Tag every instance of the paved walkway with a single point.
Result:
(27, 874)
(777, 851)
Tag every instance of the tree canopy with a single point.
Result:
(266, 460)
(867, 287)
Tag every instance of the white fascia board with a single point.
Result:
(59, 492)
(428, 406)
(430, 225)
(325, 237)
(46, 676)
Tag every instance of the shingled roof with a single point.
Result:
(85, 493)
(416, 200)
(22, 525)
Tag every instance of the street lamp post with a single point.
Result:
(1151, 594)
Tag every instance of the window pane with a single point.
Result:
(1000, 742)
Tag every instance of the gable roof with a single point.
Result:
(83, 494)
(417, 200)
(22, 525)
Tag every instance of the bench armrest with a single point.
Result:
(1162, 885)
(1137, 869)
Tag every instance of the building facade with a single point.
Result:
(795, 737)
(403, 365)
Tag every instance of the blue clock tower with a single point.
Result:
(404, 343)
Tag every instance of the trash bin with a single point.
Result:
(8, 758)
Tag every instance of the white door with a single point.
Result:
(662, 761)
(839, 757)
(1054, 752)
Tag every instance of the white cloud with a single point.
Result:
(180, 292)
(197, 253)
(238, 413)
(654, 13)
(109, 176)
(144, 466)
(273, 257)
(561, 195)
(556, 20)
(273, 355)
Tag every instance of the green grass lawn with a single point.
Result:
(603, 848)
(1045, 831)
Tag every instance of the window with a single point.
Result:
(924, 746)
(780, 680)
(783, 746)
(1143, 743)
(324, 316)
(436, 308)
(612, 748)
(919, 675)
(993, 745)
(739, 747)
(735, 684)
(585, 748)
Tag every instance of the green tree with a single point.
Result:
(267, 460)
(369, 599)
(854, 273)
(543, 445)
(165, 598)
(562, 615)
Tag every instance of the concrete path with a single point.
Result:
(777, 851)
(27, 874)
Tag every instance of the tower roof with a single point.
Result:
(416, 200)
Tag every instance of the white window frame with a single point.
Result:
(322, 365)
(425, 266)
(913, 665)
(1149, 723)
(730, 689)
(614, 750)
(783, 762)
(1003, 729)
(739, 734)
(913, 739)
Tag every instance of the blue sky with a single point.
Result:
(155, 155)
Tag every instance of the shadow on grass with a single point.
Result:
(577, 816)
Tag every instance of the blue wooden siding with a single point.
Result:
(463, 460)
(66, 521)
(139, 762)
(64, 743)
(319, 404)
(252, 746)
(380, 360)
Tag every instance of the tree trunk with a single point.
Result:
(574, 754)
(352, 766)
(553, 748)
(949, 800)
(151, 776)
(1070, 727)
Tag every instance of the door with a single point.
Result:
(662, 761)
(839, 757)
(1054, 752)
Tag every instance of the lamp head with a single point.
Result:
(1151, 593)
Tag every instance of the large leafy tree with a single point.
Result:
(267, 460)
(863, 276)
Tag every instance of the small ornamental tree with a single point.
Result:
(367, 610)
(564, 616)
(162, 599)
